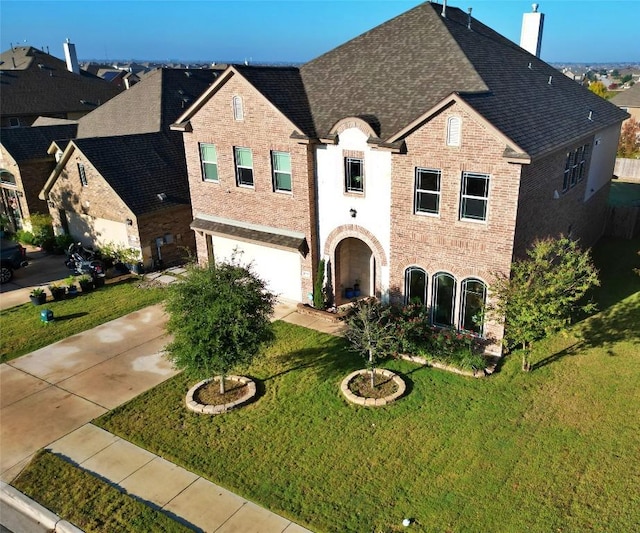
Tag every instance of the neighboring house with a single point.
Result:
(123, 180)
(418, 159)
(629, 101)
(35, 84)
(25, 166)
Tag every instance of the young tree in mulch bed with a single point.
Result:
(543, 293)
(370, 332)
(219, 316)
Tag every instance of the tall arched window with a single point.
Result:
(453, 131)
(238, 111)
(415, 286)
(444, 296)
(474, 296)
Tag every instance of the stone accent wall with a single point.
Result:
(262, 129)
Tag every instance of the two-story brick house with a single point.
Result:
(423, 156)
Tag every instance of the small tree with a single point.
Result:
(371, 332)
(543, 292)
(219, 316)
(597, 87)
(629, 144)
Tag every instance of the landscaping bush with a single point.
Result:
(24, 237)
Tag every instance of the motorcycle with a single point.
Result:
(81, 260)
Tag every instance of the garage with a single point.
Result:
(279, 268)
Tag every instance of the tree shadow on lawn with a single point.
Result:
(617, 324)
(328, 359)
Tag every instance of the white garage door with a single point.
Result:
(280, 269)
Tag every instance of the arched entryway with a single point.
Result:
(355, 270)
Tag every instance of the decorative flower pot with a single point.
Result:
(38, 299)
(57, 293)
(86, 286)
(348, 292)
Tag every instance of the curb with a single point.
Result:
(28, 507)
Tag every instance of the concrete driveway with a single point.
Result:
(55, 390)
(42, 269)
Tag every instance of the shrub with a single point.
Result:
(24, 237)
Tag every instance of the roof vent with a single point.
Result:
(550, 80)
(469, 18)
(444, 8)
(590, 115)
(529, 66)
(162, 196)
(187, 73)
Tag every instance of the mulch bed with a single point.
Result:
(209, 394)
(383, 386)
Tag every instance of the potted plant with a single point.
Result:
(72, 289)
(38, 296)
(57, 292)
(86, 282)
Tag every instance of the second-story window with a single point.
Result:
(427, 191)
(244, 167)
(281, 164)
(209, 160)
(474, 198)
(238, 111)
(83, 175)
(353, 174)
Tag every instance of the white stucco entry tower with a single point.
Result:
(354, 226)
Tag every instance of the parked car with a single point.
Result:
(12, 257)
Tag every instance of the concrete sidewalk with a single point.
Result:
(49, 397)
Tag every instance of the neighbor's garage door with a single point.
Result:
(279, 268)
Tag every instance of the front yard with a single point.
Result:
(554, 450)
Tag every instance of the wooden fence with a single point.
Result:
(627, 168)
(623, 221)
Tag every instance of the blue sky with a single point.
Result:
(295, 30)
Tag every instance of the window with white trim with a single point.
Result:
(83, 175)
(281, 167)
(244, 167)
(454, 129)
(238, 109)
(474, 197)
(415, 286)
(444, 295)
(7, 177)
(209, 161)
(472, 305)
(354, 174)
(427, 191)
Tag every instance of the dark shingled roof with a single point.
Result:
(139, 167)
(283, 87)
(247, 234)
(32, 143)
(394, 73)
(40, 84)
(628, 98)
(151, 105)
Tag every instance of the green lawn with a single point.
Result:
(557, 449)
(86, 501)
(22, 331)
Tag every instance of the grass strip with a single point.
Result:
(88, 502)
(23, 331)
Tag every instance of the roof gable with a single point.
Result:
(281, 86)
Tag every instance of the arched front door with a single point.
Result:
(355, 270)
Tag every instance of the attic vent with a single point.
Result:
(40, 65)
(529, 67)
(162, 196)
(590, 114)
(238, 112)
(453, 131)
(550, 80)
(187, 73)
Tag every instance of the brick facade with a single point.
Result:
(262, 129)
(444, 243)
